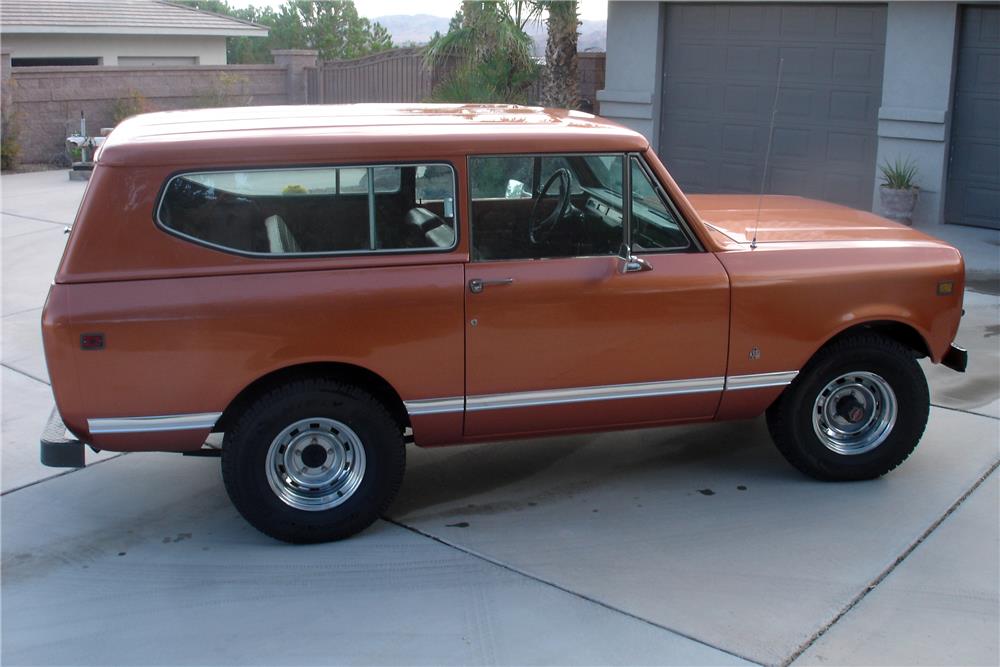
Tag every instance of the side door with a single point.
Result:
(562, 333)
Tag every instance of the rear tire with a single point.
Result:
(856, 411)
(313, 461)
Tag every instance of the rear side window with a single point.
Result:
(315, 211)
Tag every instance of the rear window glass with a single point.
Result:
(315, 211)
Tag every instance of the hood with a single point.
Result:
(785, 219)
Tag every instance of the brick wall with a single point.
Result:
(47, 100)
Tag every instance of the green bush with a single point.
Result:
(133, 104)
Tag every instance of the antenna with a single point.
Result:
(767, 153)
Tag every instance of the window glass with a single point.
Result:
(654, 225)
(580, 214)
(322, 210)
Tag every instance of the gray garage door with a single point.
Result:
(721, 63)
(973, 196)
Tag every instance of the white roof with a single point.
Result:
(118, 17)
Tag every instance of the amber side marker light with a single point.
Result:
(945, 287)
(92, 341)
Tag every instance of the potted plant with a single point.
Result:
(897, 192)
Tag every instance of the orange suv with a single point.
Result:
(325, 284)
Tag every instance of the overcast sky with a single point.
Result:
(589, 9)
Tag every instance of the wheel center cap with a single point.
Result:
(314, 456)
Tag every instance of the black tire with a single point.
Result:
(790, 418)
(245, 460)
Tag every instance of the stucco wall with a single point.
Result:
(208, 50)
(632, 66)
(914, 119)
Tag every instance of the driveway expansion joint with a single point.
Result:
(27, 375)
(874, 583)
(968, 412)
(62, 474)
(563, 589)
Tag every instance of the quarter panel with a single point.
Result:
(190, 345)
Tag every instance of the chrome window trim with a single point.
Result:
(694, 245)
(184, 422)
(324, 253)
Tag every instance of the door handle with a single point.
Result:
(477, 285)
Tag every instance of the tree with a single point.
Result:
(488, 52)
(560, 84)
(332, 27)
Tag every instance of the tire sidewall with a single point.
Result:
(907, 382)
(259, 503)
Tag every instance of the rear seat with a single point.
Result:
(428, 229)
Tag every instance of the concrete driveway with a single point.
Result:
(691, 545)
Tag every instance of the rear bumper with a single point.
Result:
(59, 449)
(956, 358)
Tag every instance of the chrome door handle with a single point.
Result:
(477, 285)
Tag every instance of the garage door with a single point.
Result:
(973, 196)
(720, 66)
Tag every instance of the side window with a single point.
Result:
(315, 211)
(515, 216)
(654, 225)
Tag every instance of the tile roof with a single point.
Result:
(127, 17)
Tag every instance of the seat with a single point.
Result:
(428, 229)
(279, 236)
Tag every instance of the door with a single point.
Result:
(720, 69)
(557, 336)
(973, 195)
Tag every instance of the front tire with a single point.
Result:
(856, 411)
(313, 461)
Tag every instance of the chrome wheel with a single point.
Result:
(854, 413)
(315, 464)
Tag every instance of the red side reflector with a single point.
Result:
(92, 341)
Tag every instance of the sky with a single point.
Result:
(589, 9)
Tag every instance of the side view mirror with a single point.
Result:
(515, 189)
(633, 264)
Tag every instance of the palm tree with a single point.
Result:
(560, 87)
(489, 53)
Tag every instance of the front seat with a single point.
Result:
(279, 236)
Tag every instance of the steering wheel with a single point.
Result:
(541, 230)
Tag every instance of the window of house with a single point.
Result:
(316, 210)
(542, 206)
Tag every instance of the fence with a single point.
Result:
(392, 76)
(401, 76)
(45, 102)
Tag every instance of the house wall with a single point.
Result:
(915, 116)
(915, 112)
(207, 50)
(633, 65)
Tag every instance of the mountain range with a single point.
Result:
(419, 28)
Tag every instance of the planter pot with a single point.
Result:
(898, 205)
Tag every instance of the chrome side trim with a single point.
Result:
(760, 380)
(153, 424)
(528, 399)
(435, 406)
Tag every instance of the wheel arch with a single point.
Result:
(359, 376)
(902, 332)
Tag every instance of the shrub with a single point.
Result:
(899, 174)
(133, 104)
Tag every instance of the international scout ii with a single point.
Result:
(325, 284)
